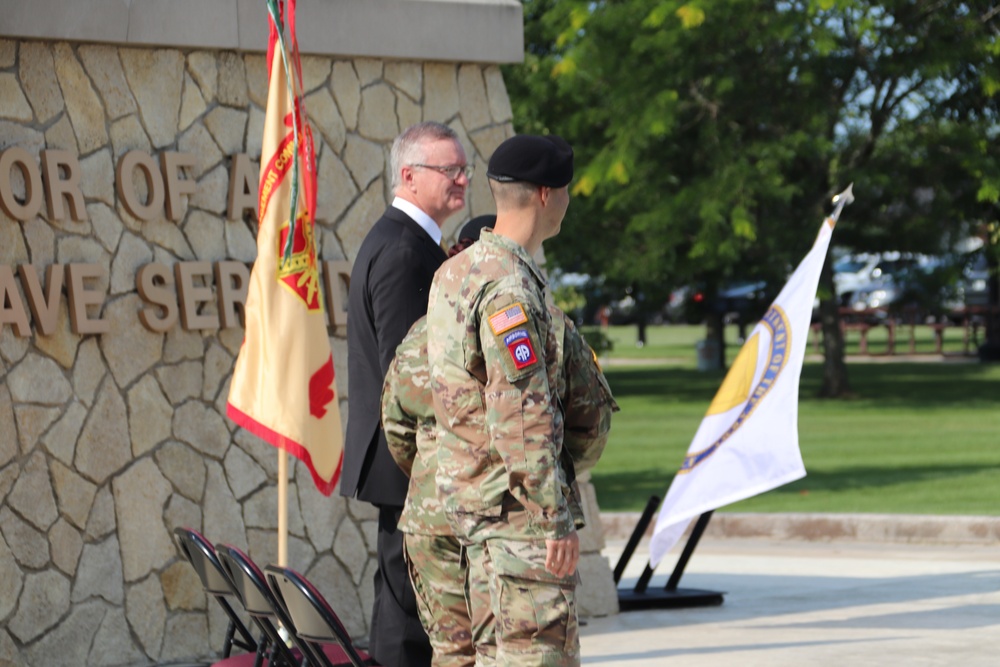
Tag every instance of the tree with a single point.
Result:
(711, 134)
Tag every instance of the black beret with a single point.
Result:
(542, 160)
(473, 228)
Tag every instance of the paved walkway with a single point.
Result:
(844, 604)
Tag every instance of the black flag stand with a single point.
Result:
(670, 596)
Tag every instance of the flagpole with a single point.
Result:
(282, 507)
(841, 200)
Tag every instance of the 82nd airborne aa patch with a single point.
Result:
(519, 346)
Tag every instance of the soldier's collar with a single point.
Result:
(492, 238)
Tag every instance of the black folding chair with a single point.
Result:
(259, 602)
(315, 624)
(201, 554)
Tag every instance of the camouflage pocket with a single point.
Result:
(536, 611)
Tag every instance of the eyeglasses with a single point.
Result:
(452, 171)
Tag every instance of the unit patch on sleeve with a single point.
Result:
(518, 344)
(508, 318)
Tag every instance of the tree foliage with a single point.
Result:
(710, 134)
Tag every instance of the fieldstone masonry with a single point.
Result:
(110, 441)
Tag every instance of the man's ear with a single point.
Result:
(544, 193)
(406, 176)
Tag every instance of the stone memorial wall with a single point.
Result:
(127, 182)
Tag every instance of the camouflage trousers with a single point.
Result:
(438, 572)
(535, 612)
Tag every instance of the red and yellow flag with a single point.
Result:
(283, 385)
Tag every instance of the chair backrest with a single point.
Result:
(258, 600)
(201, 554)
(314, 620)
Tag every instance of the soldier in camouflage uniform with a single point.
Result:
(495, 376)
(436, 560)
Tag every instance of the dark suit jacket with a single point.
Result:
(389, 287)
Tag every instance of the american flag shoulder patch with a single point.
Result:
(508, 318)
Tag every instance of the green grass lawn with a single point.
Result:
(917, 438)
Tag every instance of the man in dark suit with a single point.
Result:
(388, 293)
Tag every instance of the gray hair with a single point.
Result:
(408, 148)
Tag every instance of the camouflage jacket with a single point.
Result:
(494, 360)
(409, 424)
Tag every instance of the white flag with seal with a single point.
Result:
(748, 442)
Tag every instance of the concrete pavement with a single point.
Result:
(793, 602)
